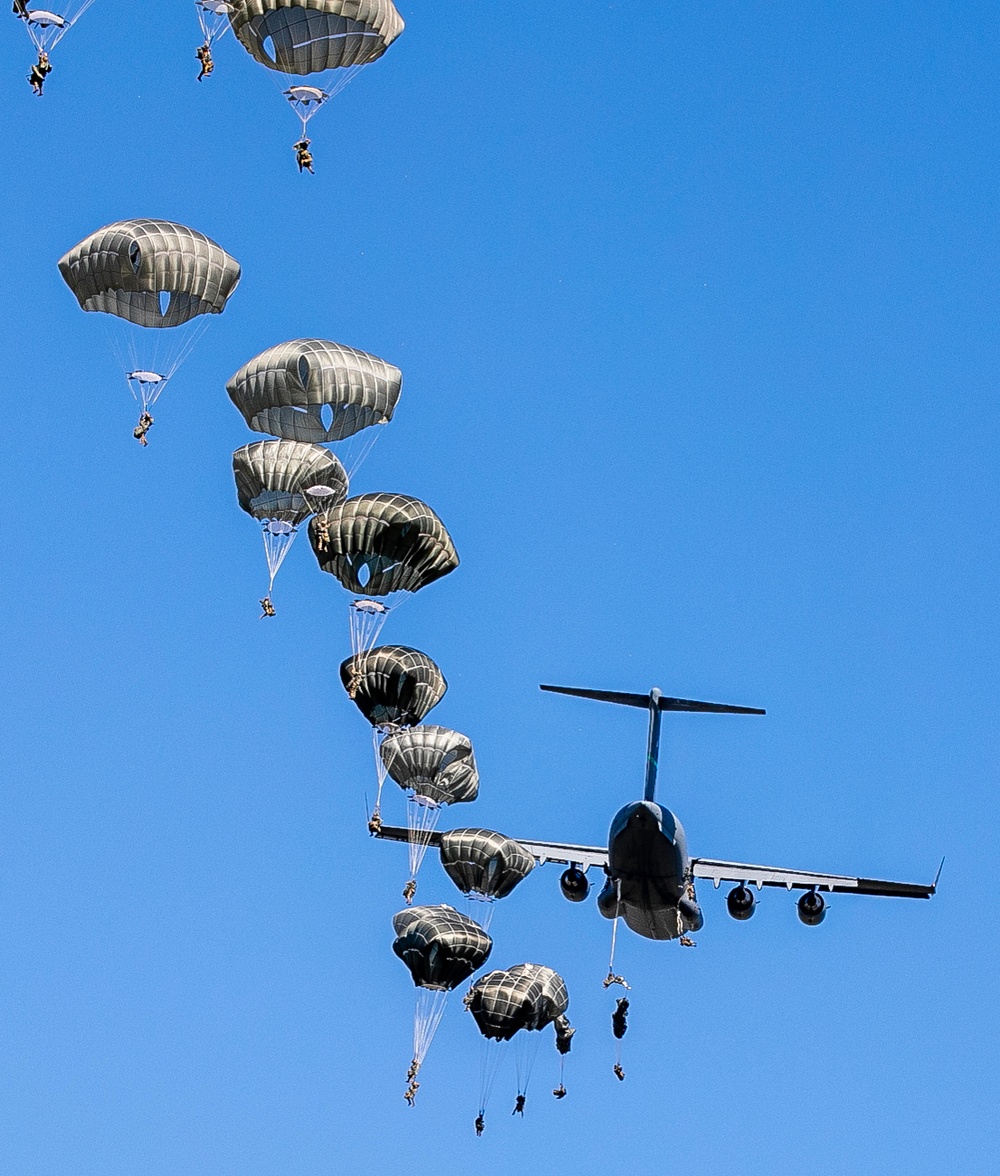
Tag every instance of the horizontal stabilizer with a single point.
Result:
(664, 704)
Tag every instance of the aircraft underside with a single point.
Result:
(651, 907)
(647, 874)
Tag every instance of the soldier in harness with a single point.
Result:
(204, 55)
(39, 72)
(303, 156)
(143, 427)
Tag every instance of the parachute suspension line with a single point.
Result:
(151, 356)
(560, 1090)
(214, 21)
(199, 325)
(278, 540)
(45, 36)
(357, 447)
(307, 95)
(482, 908)
(611, 977)
(381, 773)
(145, 391)
(526, 1045)
(367, 618)
(490, 1062)
(421, 818)
(307, 100)
(427, 1016)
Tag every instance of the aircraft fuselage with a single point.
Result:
(649, 875)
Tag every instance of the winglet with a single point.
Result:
(937, 877)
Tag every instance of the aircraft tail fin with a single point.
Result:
(664, 703)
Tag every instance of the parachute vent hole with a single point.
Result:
(326, 415)
(268, 46)
(135, 256)
(303, 371)
(364, 575)
(164, 296)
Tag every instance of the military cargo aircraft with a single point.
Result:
(649, 875)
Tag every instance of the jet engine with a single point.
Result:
(740, 902)
(811, 908)
(574, 884)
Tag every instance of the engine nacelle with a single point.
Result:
(741, 902)
(811, 908)
(574, 884)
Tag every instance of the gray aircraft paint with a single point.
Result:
(649, 874)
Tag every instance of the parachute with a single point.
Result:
(46, 28)
(326, 41)
(484, 864)
(393, 685)
(528, 997)
(318, 391)
(381, 546)
(158, 283)
(281, 483)
(213, 16)
(441, 948)
(435, 767)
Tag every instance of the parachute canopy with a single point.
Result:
(434, 763)
(376, 544)
(152, 273)
(393, 685)
(440, 946)
(483, 862)
(526, 996)
(315, 390)
(286, 480)
(309, 36)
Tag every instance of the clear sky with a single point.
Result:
(697, 309)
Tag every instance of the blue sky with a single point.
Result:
(697, 311)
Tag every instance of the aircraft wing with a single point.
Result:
(759, 876)
(584, 856)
